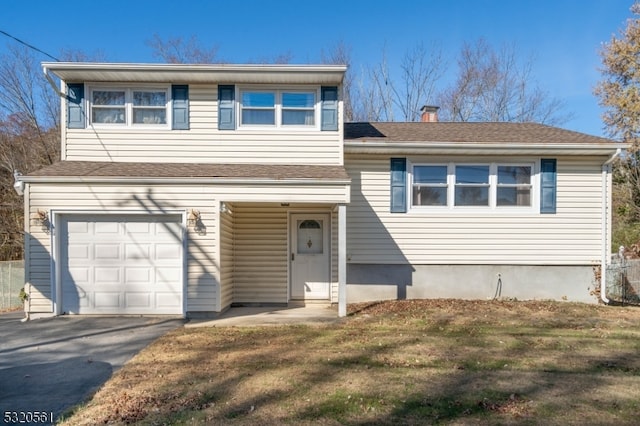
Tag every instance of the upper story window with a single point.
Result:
(129, 106)
(465, 186)
(278, 108)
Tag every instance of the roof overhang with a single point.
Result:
(196, 73)
(465, 148)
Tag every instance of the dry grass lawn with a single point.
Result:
(406, 362)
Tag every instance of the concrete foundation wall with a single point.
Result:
(525, 282)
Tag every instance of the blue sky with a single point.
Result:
(563, 35)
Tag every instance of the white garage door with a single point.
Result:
(121, 264)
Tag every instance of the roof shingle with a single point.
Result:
(465, 132)
(188, 170)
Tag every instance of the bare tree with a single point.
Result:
(494, 85)
(619, 94)
(386, 96)
(340, 54)
(177, 50)
(29, 136)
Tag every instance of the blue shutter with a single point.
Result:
(548, 182)
(226, 107)
(329, 118)
(75, 106)
(398, 180)
(180, 102)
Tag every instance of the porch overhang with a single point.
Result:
(232, 182)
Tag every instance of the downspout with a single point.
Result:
(52, 83)
(605, 226)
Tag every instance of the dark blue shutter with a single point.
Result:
(329, 120)
(180, 102)
(75, 106)
(398, 185)
(548, 181)
(226, 107)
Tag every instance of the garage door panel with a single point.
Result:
(78, 228)
(106, 228)
(168, 252)
(137, 228)
(138, 251)
(137, 275)
(107, 299)
(78, 275)
(130, 264)
(139, 300)
(109, 251)
(108, 275)
(79, 252)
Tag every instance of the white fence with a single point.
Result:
(11, 281)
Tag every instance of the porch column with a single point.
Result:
(342, 260)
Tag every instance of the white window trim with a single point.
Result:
(128, 105)
(278, 91)
(492, 208)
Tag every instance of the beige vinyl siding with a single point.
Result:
(226, 256)
(572, 236)
(260, 253)
(203, 143)
(202, 268)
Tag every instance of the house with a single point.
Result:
(186, 189)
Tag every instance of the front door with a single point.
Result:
(310, 246)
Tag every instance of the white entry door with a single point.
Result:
(310, 247)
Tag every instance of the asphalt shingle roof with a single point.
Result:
(188, 170)
(499, 133)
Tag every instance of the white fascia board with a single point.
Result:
(181, 181)
(196, 73)
(460, 148)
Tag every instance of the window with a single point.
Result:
(513, 186)
(430, 185)
(258, 108)
(278, 108)
(464, 186)
(129, 106)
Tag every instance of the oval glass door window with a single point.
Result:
(310, 237)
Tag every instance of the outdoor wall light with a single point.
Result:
(18, 185)
(193, 219)
(224, 208)
(41, 218)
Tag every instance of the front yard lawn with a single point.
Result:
(404, 362)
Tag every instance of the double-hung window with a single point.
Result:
(278, 108)
(513, 188)
(472, 185)
(129, 106)
(430, 185)
(464, 186)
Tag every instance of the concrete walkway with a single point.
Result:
(258, 316)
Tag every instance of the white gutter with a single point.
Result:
(605, 226)
(446, 148)
(52, 83)
(183, 180)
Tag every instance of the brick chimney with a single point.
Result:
(429, 114)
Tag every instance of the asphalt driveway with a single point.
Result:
(49, 365)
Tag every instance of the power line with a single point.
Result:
(29, 46)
